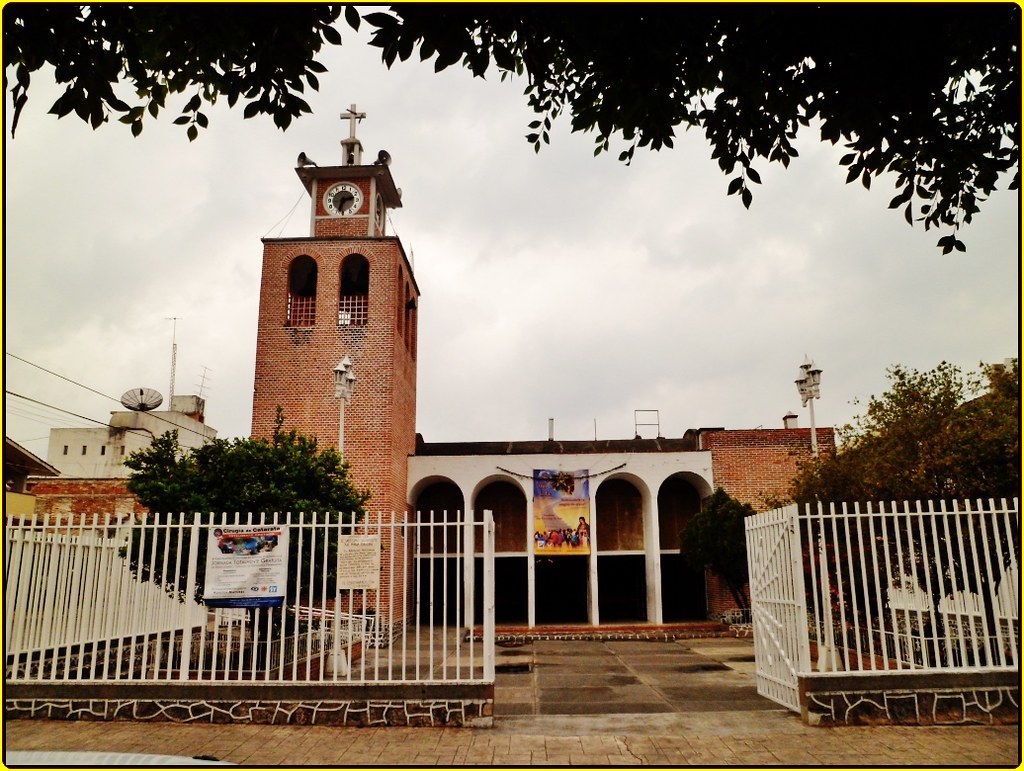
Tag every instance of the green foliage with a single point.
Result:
(716, 538)
(260, 54)
(288, 474)
(929, 95)
(932, 436)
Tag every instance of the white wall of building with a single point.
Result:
(471, 473)
(646, 471)
(99, 453)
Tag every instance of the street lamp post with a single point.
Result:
(808, 384)
(344, 383)
(337, 663)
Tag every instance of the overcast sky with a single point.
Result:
(555, 285)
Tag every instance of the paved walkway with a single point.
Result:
(689, 702)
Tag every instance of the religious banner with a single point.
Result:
(561, 506)
(358, 562)
(246, 567)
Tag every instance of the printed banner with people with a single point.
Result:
(246, 567)
(561, 511)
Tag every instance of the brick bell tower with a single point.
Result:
(336, 342)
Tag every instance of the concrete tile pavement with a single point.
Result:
(687, 719)
(959, 746)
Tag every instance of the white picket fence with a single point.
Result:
(67, 589)
(883, 588)
(74, 611)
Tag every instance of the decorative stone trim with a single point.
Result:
(425, 713)
(382, 704)
(991, 698)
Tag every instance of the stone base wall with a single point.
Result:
(972, 698)
(396, 705)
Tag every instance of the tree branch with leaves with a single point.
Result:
(289, 473)
(927, 95)
(715, 538)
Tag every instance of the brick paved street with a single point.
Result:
(571, 707)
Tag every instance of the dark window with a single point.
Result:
(354, 298)
(302, 292)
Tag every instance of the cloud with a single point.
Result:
(555, 284)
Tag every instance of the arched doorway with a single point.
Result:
(621, 562)
(440, 549)
(683, 590)
(507, 503)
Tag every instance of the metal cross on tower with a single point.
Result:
(352, 148)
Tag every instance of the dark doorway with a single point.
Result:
(621, 588)
(561, 589)
(683, 593)
(439, 589)
(510, 590)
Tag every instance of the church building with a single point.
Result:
(586, 532)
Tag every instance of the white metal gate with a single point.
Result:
(778, 603)
(884, 588)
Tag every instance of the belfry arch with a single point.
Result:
(302, 282)
(354, 292)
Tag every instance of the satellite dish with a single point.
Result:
(142, 399)
(383, 158)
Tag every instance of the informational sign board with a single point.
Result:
(561, 507)
(246, 566)
(358, 562)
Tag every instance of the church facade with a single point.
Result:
(586, 532)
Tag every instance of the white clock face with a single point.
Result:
(343, 199)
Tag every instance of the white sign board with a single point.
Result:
(358, 562)
(246, 566)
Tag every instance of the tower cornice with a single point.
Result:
(385, 182)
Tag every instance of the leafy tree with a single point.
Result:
(932, 436)
(928, 94)
(258, 53)
(715, 538)
(287, 474)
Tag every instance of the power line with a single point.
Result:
(75, 414)
(62, 377)
(92, 390)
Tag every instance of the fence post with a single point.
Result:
(469, 569)
(190, 594)
(827, 656)
(799, 627)
(488, 595)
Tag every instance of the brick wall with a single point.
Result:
(89, 499)
(294, 366)
(756, 466)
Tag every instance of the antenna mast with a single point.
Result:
(174, 358)
(202, 382)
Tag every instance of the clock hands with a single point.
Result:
(343, 199)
